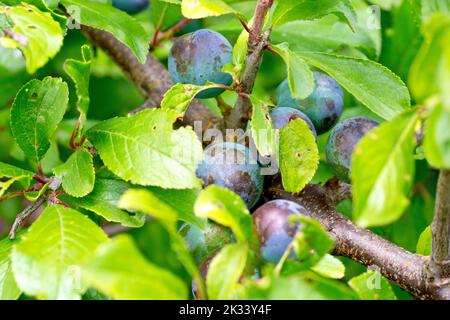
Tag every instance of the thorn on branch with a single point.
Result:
(244, 25)
(270, 49)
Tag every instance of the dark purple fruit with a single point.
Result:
(342, 142)
(323, 106)
(202, 243)
(231, 165)
(282, 116)
(131, 6)
(198, 57)
(275, 231)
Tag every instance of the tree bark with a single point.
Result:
(439, 266)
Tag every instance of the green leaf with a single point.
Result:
(430, 72)
(312, 242)
(9, 171)
(77, 173)
(35, 195)
(79, 72)
(369, 82)
(287, 10)
(225, 271)
(43, 5)
(372, 286)
(383, 171)
(330, 267)
(387, 4)
(37, 110)
(4, 185)
(120, 271)
(145, 150)
(431, 7)
(437, 138)
(14, 174)
(179, 97)
(164, 204)
(35, 33)
(46, 262)
(240, 51)
(300, 77)
(104, 199)
(299, 155)
(327, 35)
(197, 9)
(172, 1)
(404, 39)
(8, 286)
(12, 73)
(145, 201)
(226, 208)
(182, 202)
(107, 18)
(424, 244)
(302, 286)
(263, 133)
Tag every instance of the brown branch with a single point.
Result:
(361, 245)
(143, 75)
(257, 43)
(152, 78)
(23, 216)
(439, 266)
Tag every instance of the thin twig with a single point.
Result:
(158, 25)
(41, 172)
(169, 32)
(11, 195)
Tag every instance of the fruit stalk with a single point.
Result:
(257, 43)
